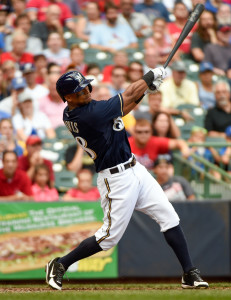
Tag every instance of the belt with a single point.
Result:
(126, 166)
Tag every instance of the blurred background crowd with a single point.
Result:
(115, 43)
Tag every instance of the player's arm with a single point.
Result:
(135, 92)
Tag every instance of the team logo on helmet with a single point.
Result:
(76, 76)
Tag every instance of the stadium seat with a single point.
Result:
(64, 180)
(62, 133)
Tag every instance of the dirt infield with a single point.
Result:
(72, 289)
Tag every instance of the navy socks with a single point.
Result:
(86, 248)
(176, 239)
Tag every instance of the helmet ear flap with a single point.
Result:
(90, 87)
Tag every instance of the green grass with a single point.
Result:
(139, 291)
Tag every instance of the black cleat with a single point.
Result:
(54, 273)
(192, 280)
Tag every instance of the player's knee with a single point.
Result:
(107, 244)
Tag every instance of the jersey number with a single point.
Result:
(83, 144)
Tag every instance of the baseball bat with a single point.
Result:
(192, 19)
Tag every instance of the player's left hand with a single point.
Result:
(155, 86)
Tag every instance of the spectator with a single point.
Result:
(85, 24)
(135, 71)
(205, 33)
(219, 54)
(181, 14)
(152, 10)
(116, 36)
(120, 59)
(42, 189)
(14, 183)
(163, 126)
(225, 152)
(9, 104)
(77, 59)
(74, 7)
(51, 24)
(205, 86)
(52, 105)
(223, 15)
(198, 135)
(119, 82)
(7, 131)
(195, 2)
(169, 4)
(160, 39)
(33, 44)
(3, 86)
(36, 90)
(37, 11)
(151, 59)
(85, 191)
(55, 52)
(5, 28)
(9, 72)
(147, 147)
(27, 121)
(18, 8)
(177, 89)
(176, 188)
(29, 161)
(139, 22)
(219, 118)
(18, 53)
(93, 69)
(40, 62)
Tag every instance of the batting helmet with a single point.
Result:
(70, 83)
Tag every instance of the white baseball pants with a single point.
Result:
(121, 193)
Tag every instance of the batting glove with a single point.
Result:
(154, 87)
(159, 73)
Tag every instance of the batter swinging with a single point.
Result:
(124, 184)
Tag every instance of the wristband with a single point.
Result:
(138, 101)
(148, 78)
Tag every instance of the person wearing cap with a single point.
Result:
(33, 44)
(176, 188)
(218, 118)
(15, 184)
(205, 85)
(29, 161)
(36, 90)
(205, 33)
(18, 53)
(178, 90)
(9, 104)
(219, 54)
(28, 121)
(5, 28)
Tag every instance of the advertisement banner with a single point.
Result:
(33, 233)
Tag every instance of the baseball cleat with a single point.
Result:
(192, 280)
(54, 273)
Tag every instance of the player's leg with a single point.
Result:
(119, 193)
(153, 202)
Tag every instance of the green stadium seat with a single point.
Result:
(64, 180)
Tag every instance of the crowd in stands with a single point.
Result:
(42, 39)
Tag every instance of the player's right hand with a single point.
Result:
(154, 87)
(159, 73)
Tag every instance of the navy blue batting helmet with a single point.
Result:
(72, 82)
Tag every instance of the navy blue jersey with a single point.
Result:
(99, 130)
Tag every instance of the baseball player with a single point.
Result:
(123, 183)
